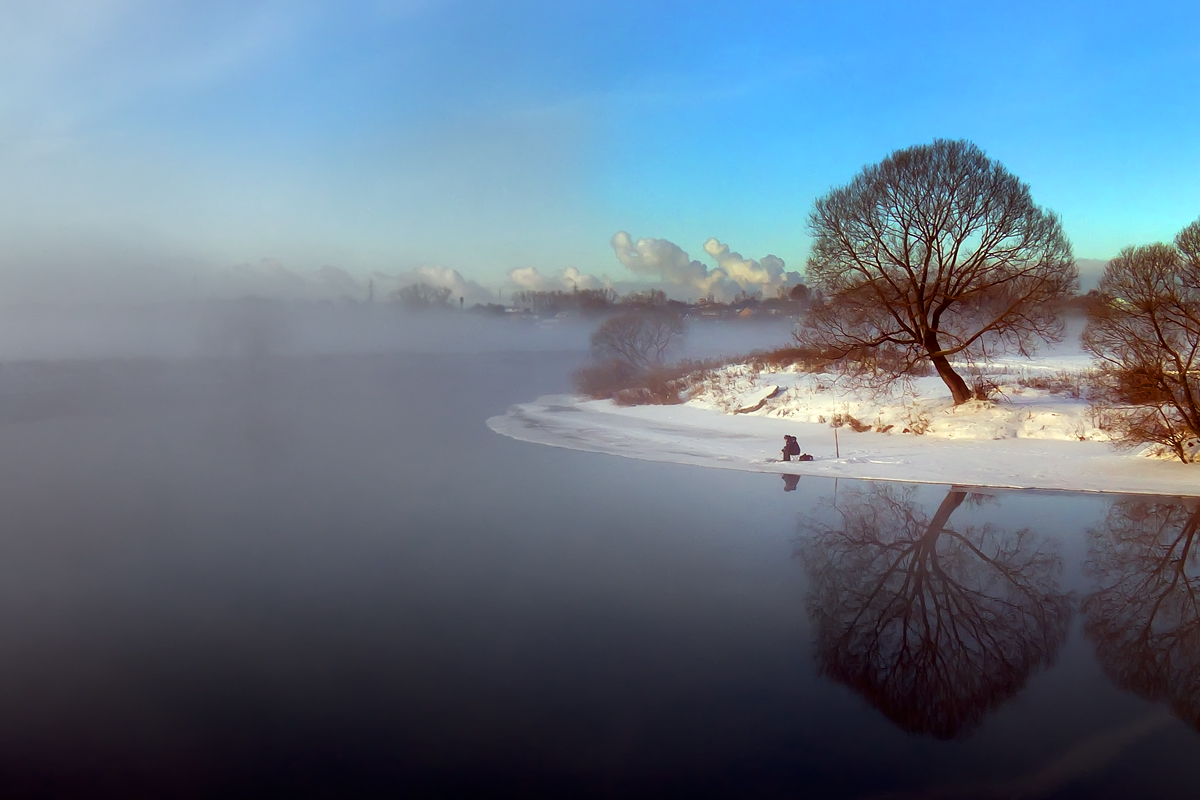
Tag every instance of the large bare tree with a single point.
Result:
(1145, 333)
(936, 252)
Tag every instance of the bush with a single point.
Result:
(602, 381)
(616, 380)
(656, 388)
(1072, 384)
(805, 358)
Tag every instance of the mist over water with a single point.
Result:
(259, 326)
(321, 574)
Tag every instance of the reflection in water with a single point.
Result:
(1145, 616)
(934, 626)
(790, 482)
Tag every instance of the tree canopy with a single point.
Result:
(640, 339)
(936, 252)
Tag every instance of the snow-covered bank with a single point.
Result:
(1031, 438)
(689, 434)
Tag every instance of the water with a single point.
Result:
(324, 576)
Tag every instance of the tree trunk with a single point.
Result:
(953, 499)
(958, 387)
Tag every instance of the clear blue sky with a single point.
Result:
(488, 136)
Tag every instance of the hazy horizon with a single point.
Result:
(154, 152)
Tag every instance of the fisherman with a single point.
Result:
(790, 447)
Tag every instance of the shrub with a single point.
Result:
(616, 380)
(603, 380)
(1072, 384)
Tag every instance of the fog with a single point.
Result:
(260, 327)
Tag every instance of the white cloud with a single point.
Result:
(658, 258)
(668, 262)
(531, 279)
(744, 271)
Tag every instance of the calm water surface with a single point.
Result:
(325, 576)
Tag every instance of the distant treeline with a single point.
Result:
(595, 302)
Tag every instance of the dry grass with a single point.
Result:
(1064, 382)
(804, 359)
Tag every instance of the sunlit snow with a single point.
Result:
(1027, 438)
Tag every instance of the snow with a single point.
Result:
(1028, 439)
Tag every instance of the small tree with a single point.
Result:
(640, 339)
(935, 252)
(422, 295)
(1144, 330)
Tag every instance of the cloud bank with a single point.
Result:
(569, 279)
(668, 262)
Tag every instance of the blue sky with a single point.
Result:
(143, 141)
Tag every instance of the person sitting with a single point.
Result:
(790, 447)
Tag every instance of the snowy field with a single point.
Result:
(1028, 438)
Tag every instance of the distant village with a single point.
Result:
(547, 305)
(557, 304)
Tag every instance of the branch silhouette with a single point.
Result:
(1144, 619)
(934, 626)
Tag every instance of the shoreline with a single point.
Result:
(691, 435)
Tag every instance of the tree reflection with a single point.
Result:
(1145, 617)
(934, 626)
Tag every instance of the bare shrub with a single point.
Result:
(1071, 384)
(803, 358)
(602, 381)
(618, 381)
(845, 419)
(984, 389)
(918, 423)
(657, 388)
(856, 425)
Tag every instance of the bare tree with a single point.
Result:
(937, 252)
(934, 625)
(1144, 616)
(422, 295)
(1144, 330)
(640, 339)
